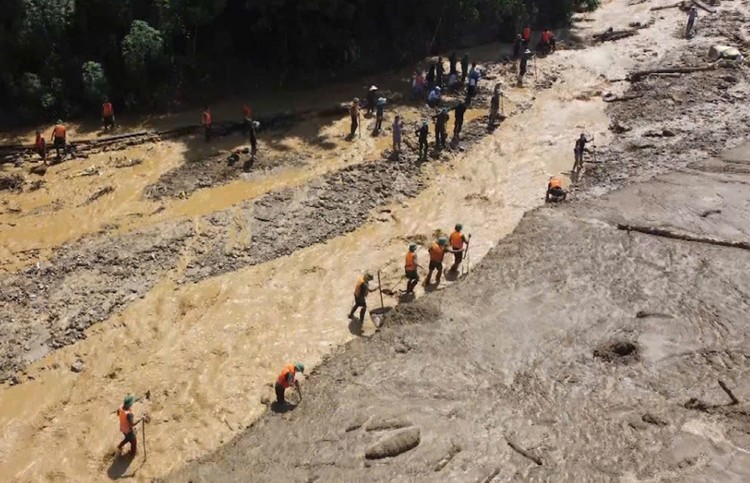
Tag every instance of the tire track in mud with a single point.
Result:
(51, 304)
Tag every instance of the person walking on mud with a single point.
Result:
(127, 426)
(437, 254)
(247, 119)
(517, 44)
(458, 243)
(361, 290)
(422, 134)
(380, 107)
(252, 131)
(59, 138)
(431, 77)
(578, 150)
(464, 67)
(372, 97)
(692, 15)
(286, 379)
(452, 61)
(458, 124)
(354, 113)
(40, 146)
(474, 76)
(494, 107)
(411, 268)
(108, 115)
(397, 128)
(206, 121)
(441, 128)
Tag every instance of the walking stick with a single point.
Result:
(359, 119)
(468, 260)
(143, 428)
(380, 289)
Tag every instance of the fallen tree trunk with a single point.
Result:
(638, 75)
(523, 452)
(612, 35)
(664, 7)
(683, 236)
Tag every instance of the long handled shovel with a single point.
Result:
(143, 429)
(468, 260)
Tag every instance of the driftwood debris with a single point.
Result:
(638, 75)
(664, 7)
(729, 392)
(523, 452)
(98, 194)
(611, 35)
(683, 236)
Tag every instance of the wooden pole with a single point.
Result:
(380, 289)
(143, 428)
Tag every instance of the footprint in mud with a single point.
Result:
(620, 351)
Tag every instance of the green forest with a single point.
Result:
(60, 58)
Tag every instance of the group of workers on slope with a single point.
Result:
(457, 244)
(521, 48)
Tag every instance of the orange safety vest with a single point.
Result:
(206, 118)
(457, 240)
(283, 377)
(125, 425)
(59, 131)
(555, 183)
(107, 109)
(411, 261)
(358, 288)
(40, 143)
(526, 33)
(437, 253)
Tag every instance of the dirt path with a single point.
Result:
(580, 349)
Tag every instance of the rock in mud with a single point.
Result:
(78, 366)
(394, 444)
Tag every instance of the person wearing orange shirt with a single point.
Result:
(206, 121)
(411, 268)
(555, 191)
(286, 379)
(108, 115)
(40, 146)
(361, 290)
(458, 244)
(127, 425)
(526, 36)
(437, 254)
(59, 138)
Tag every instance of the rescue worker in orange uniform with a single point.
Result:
(361, 290)
(288, 377)
(59, 137)
(458, 242)
(206, 121)
(127, 425)
(40, 146)
(108, 115)
(437, 253)
(547, 43)
(555, 191)
(410, 268)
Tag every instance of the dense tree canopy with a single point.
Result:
(61, 57)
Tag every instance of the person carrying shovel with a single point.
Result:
(411, 268)
(361, 290)
(458, 243)
(127, 425)
(287, 378)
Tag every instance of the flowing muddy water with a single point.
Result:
(207, 351)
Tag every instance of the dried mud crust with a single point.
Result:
(51, 305)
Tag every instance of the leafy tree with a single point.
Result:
(94, 81)
(141, 47)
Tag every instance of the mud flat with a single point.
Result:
(604, 339)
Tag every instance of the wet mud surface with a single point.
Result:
(52, 303)
(604, 339)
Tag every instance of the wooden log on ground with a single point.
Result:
(664, 7)
(729, 392)
(612, 35)
(523, 452)
(627, 97)
(638, 75)
(683, 236)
